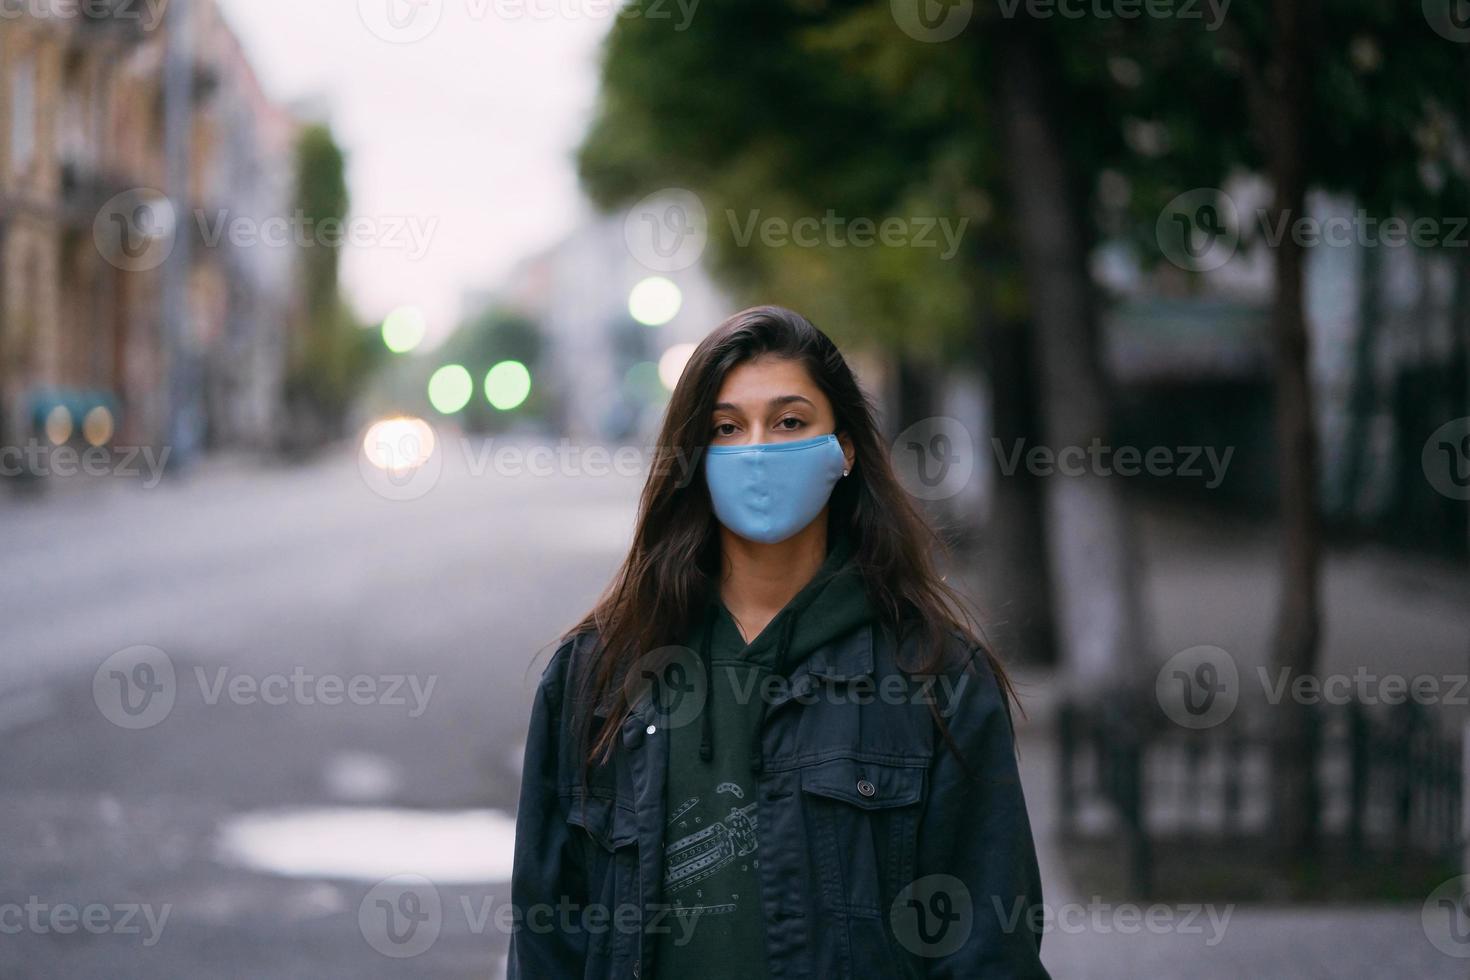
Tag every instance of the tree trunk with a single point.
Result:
(1294, 645)
(1016, 572)
(1089, 534)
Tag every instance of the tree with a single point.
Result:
(329, 353)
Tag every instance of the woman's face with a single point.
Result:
(772, 399)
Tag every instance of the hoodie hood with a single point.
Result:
(832, 604)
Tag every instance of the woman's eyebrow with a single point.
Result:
(774, 403)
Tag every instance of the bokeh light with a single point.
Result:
(399, 444)
(671, 364)
(642, 381)
(404, 329)
(97, 426)
(508, 385)
(655, 301)
(450, 389)
(59, 425)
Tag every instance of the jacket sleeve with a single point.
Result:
(976, 857)
(549, 870)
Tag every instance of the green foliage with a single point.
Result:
(330, 351)
(791, 109)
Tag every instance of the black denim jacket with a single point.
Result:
(881, 853)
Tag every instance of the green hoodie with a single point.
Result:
(710, 851)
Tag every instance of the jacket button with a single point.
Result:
(651, 729)
(866, 788)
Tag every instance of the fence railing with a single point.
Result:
(1387, 780)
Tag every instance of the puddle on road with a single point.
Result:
(371, 843)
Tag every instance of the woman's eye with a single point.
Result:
(794, 423)
(725, 429)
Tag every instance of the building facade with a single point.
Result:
(89, 223)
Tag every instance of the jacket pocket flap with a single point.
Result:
(867, 785)
(608, 822)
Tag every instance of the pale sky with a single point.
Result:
(471, 127)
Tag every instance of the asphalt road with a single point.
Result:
(266, 721)
(269, 593)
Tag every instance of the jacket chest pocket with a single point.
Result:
(609, 842)
(861, 821)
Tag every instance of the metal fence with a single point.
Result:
(1387, 781)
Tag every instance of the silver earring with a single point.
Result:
(844, 472)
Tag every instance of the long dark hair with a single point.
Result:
(672, 570)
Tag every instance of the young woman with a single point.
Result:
(774, 748)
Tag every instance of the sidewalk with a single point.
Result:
(1087, 940)
(1214, 583)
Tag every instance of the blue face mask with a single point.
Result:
(769, 492)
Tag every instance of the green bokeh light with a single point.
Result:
(508, 385)
(450, 389)
(642, 381)
(404, 329)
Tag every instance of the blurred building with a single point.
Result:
(601, 362)
(1193, 364)
(86, 229)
